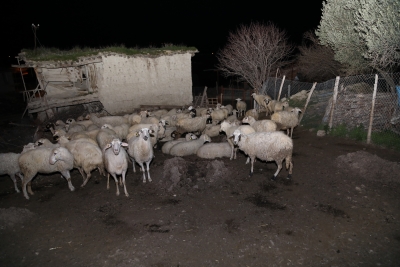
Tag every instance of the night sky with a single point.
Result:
(202, 24)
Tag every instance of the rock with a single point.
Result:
(321, 133)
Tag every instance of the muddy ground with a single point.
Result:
(342, 208)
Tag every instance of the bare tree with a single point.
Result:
(316, 61)
(253, 52)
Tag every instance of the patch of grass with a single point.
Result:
(55, 54)
(358, 133)
(387, 139)
(339, 131)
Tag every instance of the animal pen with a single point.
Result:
(370, 103)
(117, 82)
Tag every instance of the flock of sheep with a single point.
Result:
(111, 143)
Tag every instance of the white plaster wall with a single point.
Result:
(125, 83)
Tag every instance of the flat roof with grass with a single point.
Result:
(43, 54)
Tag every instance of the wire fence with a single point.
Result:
(366, 106)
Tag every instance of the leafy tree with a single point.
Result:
(364, 34)
(252, 52)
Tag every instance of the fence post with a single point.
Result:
(308, 100)
(280, 89)
(335, 92)
(371, 117)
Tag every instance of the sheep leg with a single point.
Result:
(116, 183)
(134, 170)
(27, 180)
(289, 165)
(67, 176)
(108, 181)
(277, 171)
(148, 171)
(88, 175)
(123, 181)
(13, 178)
(83, 174)
(30, 188)
(252, 162)
(142, 170)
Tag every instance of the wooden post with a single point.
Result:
(308, 100)
(280, 89)
(371, 117)
(335, 92)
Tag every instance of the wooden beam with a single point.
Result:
(38, 106)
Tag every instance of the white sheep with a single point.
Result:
(112, 120)
(9, 164)
(267, 146)
(105, 136)
(281, 105)
(212, 130)
(158, 132)
(260, 99)
(241, 106)
(287, 119)
(214, 150)
(141, 151)
(229, 128)
(116, 162)
(45, 160)
(252, 112)
(87, 157)
(167, 146)
(218, 115)
(261, 125)
(187, 148)
(121, 130)
(192, 124)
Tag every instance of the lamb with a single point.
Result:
(45, 160)
(267, 146)
(262, 125)
(229, 128)
(187, 148)
(121, 130)
(252, 112)
(192, 124)
(140, 150)
(260, 99)
(116, 162)
(241, 107)
(133, 118)
(214, 150)
(287, 119)
(87, 157)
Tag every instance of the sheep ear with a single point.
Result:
(124, 144)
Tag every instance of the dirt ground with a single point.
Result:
(341, 208)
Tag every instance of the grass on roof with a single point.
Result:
(55, 54)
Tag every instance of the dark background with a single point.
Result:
(201, 24)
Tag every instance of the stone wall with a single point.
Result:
(124, 83)
(354, 110)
